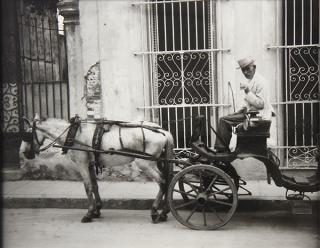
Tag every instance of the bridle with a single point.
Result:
(29, 137)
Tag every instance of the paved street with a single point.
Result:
(131, 228)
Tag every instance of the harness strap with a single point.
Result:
(120, 139)
(143, 138)
(132, 125)
(96, 143)
(75, 124)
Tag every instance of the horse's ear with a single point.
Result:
(36, 117)
(26, 120)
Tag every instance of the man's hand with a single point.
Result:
(243, 86)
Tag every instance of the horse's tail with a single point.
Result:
(169, 154)
(169, 146)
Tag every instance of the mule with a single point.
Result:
(155, 143)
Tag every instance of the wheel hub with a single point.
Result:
(202, 199)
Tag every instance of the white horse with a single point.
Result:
(155, 142)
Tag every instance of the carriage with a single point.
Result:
(199, 187)
(209, 186)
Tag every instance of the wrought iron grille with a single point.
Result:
(182, 57)
(43, 64)
(298, 106)
(183, 79)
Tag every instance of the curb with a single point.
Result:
(11, 174)
(145, 204)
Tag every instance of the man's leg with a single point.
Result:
(225, 128)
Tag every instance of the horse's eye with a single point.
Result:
(27, 136)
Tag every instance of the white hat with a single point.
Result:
(245, 62)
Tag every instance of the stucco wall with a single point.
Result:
(110, 34)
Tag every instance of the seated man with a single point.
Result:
(256, 99)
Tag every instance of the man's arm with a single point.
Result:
(255, 99)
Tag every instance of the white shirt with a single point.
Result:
(258, 96)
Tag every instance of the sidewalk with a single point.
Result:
(126, 195)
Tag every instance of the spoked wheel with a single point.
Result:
(225, 168)
(212, 197)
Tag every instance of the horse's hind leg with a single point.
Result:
(95, 188)
(166, 170)
(155, 216)
(155, 174)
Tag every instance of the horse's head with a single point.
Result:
(32, 138)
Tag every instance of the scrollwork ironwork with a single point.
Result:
(10, 105)
(301, 156)
(303, 73)
(183, 78)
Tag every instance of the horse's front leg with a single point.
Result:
(95, 188)
(89, 191)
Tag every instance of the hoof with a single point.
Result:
(155, 218)
(163, 217)
(96, 215)
(86, 219)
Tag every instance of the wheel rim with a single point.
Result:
(211, 193)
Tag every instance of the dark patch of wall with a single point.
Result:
(10, 80)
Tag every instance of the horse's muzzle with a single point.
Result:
(27, 137)
(29, 155)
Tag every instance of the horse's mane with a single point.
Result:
(53, 126)
(54, 122)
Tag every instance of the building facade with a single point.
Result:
(167, 61)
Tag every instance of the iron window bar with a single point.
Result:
(164, 1)
(294, 102)
(185, 105)
(292, 46)
(184, 51)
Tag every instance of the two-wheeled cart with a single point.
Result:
(204, 194)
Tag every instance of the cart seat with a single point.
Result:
(203, 150)
(255, 127)
(252, 137)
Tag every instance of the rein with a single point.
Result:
(55, 139)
